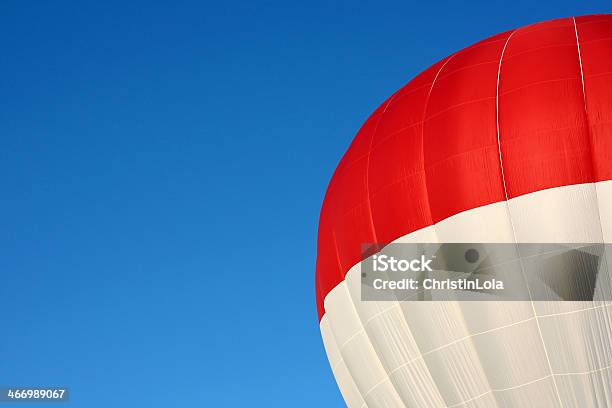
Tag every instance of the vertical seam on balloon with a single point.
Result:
(367, 170)
(580, 63)
(331, 337)
(336, 251)
(427, 190)
(373, 228)
(501, 165)
(588, 127)
(589, 135)
(362, 330)
(428, 206)
(334, 367)
(427, 98)
(387, 376)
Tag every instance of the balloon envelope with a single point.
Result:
(508, 140)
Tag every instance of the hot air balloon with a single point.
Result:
(510, 141)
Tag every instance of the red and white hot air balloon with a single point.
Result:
(508, 140)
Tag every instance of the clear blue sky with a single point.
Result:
(162, 169)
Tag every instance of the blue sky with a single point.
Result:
(162, 169)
